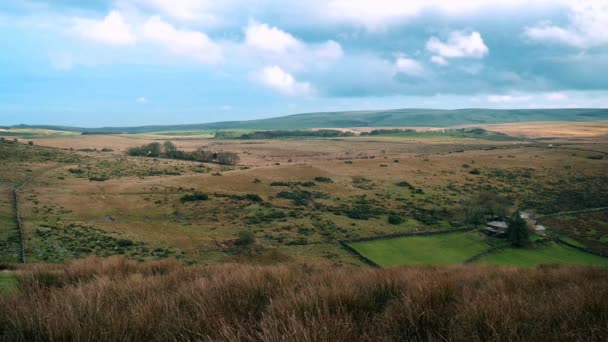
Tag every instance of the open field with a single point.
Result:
(544, 254)
(298, 197)
(450, 248)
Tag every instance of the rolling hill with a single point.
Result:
(372, 118)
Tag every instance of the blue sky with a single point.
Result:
(136, 62)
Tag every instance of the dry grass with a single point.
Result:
(115, 299)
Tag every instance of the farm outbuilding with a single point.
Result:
(539, 230)
(496, 227)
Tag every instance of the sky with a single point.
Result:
(139, 62)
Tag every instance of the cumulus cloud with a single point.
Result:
(113, 29)
(283, 82)
(264, 37)
(587, 26)
(192, 44)
(271, 45)
(459, 45)
(408, 66)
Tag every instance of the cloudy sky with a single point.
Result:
(135, 62)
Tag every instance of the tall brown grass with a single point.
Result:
(115, 299)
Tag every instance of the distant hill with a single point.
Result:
(372, 118)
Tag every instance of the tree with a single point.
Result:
(154, 149)
(227, 158)
(170, 149)
(518, 232)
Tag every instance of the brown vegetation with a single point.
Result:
(115, 299)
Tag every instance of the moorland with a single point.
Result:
(324, 204)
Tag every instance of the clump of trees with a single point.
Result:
(323, 133)
(485, 205)
(169, 150)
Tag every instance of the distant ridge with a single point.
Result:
(369, 118)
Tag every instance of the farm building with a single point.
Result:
(500, 227)
(496, 227)
(528, 217)
(539, 230)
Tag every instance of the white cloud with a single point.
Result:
(588, 26)
(556, 97)
(188, 10)
(458, 45)
(187, 43)
(277, 79)
(408, 66)
(507, 98)
(113, 29)
(141, 100)
(330, 50)
(264, 37)
(376, 14)
(439, 60)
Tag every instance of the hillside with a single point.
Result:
(378, 118)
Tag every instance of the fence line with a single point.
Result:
(19, 225)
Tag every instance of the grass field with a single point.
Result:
(8, 283)
(546, 254)
(453, 248)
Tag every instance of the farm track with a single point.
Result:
(591, 210)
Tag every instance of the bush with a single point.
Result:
(323, 179)
(254, 198)
(124, 243)
(194, 197)
(395, 219)
(246, 238)
(475, 172)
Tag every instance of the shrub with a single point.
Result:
(194, 197)
(254, 198)
(475, 172)
(124, 243)
(246, 238)
(395, 219)
(98, 179)
(323, 179)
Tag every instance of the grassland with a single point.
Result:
(110, 299)
(452, 248)
(551, 253)
(78, 201)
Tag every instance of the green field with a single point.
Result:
(547, 254)
(8, 283)
(453, 248)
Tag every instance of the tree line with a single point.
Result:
(324, 133)
(169, 150)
